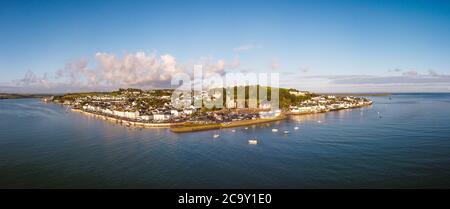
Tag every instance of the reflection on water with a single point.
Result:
(43, 146)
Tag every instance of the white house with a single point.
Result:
(231, 103)
(174, 113)
(159, 116)
(269, 114)
(298, 93)
(146, 117)
(301, 110)
(131, 115)
(108, 111)
(188, 111)
(265, 105)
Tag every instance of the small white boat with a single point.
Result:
(319, 121)
(246, 128)
(286, 132)
(296, 128)
(233, 130)
(252, 141)
(216, 136)
(274, 130)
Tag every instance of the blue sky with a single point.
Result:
(321, 46)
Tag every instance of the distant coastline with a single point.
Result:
(22, 96)
(360, 94)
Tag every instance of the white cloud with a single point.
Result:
(410, 73)
(395, 70)
(30, 80)
(136, 69)
(433, 73)
(410, 82)
(304, 68)
(109, 71)
(247, 47)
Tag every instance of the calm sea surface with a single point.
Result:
(43, 146)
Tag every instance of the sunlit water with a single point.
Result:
(406, 145)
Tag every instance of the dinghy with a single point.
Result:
(252, 141)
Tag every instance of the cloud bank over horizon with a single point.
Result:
(409, 81)
(108, 71)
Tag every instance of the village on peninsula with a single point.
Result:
(157, 108)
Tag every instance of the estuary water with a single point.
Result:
(403, 142)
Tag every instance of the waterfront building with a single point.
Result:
(265, 105)
(298, 93)
(174, 113)
(146, 117)
(270, 114)
(159, 117)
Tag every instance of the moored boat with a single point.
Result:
(252, 141)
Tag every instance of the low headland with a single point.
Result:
(158, 108)
(21, 96)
